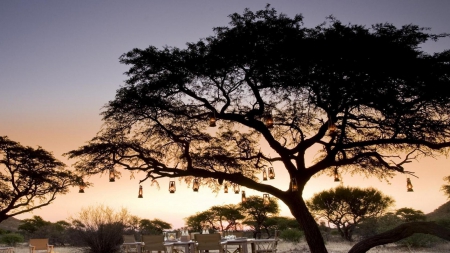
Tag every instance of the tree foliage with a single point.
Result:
(409, 214)
(346, 207)
(101, 228)
(224, 217)
(257, 212)
(29, 178)
(368, 97)
(155, 226)
(446, 187)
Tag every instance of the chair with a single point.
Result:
(192, 235)
(154, 243)
(39, 245)
(129, 244)
(265, 245)
(238, 248)
(207, 242)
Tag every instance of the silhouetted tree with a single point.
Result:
(230, 214)
(346, 207)
(409, 214)
(201, 220)
(257, 212)
(29, 178)
(155, 226)
(446, 187)
(368, 97)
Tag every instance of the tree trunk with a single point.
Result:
(401, 232)
(313, 235)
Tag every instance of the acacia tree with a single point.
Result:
(29, 178)
(346, 207)
(155, 226)
(230, 214)
(257, 212)
(369, 97)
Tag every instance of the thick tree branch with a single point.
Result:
(403, 231)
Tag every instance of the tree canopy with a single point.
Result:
(346, 207)
(29, 178)
(367, 96)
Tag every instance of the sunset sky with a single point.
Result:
(59, 65)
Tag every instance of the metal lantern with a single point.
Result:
(225, 188)
(271, 173)
(409, 185)
(212, 120)
(264, 175)
(294, 186)
(268, 121)
(172, 187)
(140, 194)
(332, 129)
(336, 175)
(195, 185)
(243, 196)
(82, 186)
(112, 175)
(266, 200)
(236, 188)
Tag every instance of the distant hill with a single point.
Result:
(10, 224)
(442, 212)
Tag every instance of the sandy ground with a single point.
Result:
(284, 247)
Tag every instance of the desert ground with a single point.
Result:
(286, 247)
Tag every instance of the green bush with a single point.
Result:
(292, 235)
(420, 240)
(11, 239)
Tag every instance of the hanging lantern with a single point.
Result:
(140, 194)
(243, 196)
(236, 188)
(264, 175)
(294, 186)
(172, 187)
(332, 129)
(112, 175)
(271, 173)
(195, 185)
(225, 188)
(268, 121)
(266, 200)
(82, 186)
(409, 185)
(212, 120)
(336, 175)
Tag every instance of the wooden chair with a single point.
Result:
(208, 242)
(237, 248)
(265, 245)
(129, 244)
(40, 245)
(154, 243)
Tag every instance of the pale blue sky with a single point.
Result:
(59, 65)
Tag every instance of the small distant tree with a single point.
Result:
(229, 214)
(346, 207)
(446, 187)
(101, 228)
(257, 212)
(155, 226)
(409, 214)
(30, 226)
(29, 178)
(280, 223)
(198, 221)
